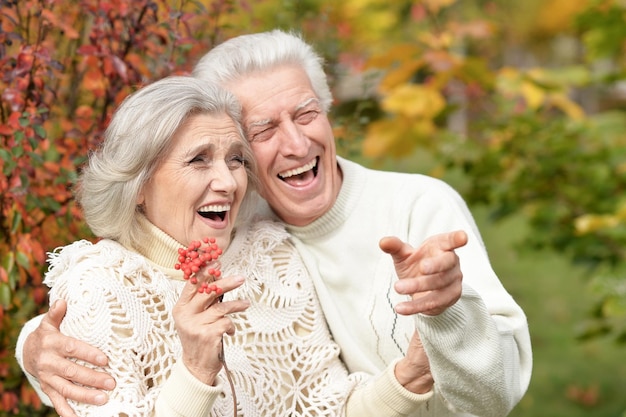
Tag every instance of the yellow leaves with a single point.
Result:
(400, 63)
(434, 6)
(394, 54)
(413, 108)
(476, 29)
(370, 20)
(540, 88)
(396, 136)
(567, 106)
(555, 16)
(396, 76)
(433, 40)
(413, 100)
(533, 95)
(590, 223)
(380, 137)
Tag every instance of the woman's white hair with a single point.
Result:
(137, 138)
(246, 54)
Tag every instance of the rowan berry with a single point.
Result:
(196, 256)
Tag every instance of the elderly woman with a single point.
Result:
(174, 168)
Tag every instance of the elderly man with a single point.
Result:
(397, 260)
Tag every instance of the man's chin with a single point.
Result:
(301, 213)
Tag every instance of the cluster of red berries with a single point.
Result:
(196, 256)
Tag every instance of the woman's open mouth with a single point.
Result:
(214, 212)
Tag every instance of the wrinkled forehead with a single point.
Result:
(266, 94)
(216, 129)
(272, 115)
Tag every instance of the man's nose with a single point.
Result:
(292, 140)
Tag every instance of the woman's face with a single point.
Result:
(197, 189)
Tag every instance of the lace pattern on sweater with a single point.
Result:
(119, 303)
(282, 351)
(282, 358)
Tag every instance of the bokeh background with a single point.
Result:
(521, 105)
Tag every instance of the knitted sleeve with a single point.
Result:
(479, 349)
(118, 303)
(384, 396)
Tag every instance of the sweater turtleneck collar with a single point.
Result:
(351, 187)
(160, 248)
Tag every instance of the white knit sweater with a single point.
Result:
(282, 358)
(479, 349)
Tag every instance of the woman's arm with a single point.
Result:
(119, 304)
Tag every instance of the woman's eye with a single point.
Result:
(235, 161)
(198, 158)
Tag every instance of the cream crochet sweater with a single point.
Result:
(282, 358)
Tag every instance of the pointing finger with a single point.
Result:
(395, 247)
(451, 241)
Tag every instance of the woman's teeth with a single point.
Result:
(213, 211)
(214, 208)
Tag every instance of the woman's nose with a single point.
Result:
(223, 179)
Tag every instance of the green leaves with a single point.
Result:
(535, 121)
(603, 30)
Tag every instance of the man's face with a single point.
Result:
(292, 141)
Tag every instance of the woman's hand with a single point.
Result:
(201, 321)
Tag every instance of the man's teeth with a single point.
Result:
(214, 208)
(299, 170)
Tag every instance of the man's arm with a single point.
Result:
(474, 353)
(46, 357)
(431, 275)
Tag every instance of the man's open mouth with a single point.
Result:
(300, 175)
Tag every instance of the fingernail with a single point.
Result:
(54, 305)
(400, 287)
(101, 360)
(109, 384)
(100, 398)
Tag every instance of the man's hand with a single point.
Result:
(430, 274)
(46, 357)
(413, 371)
